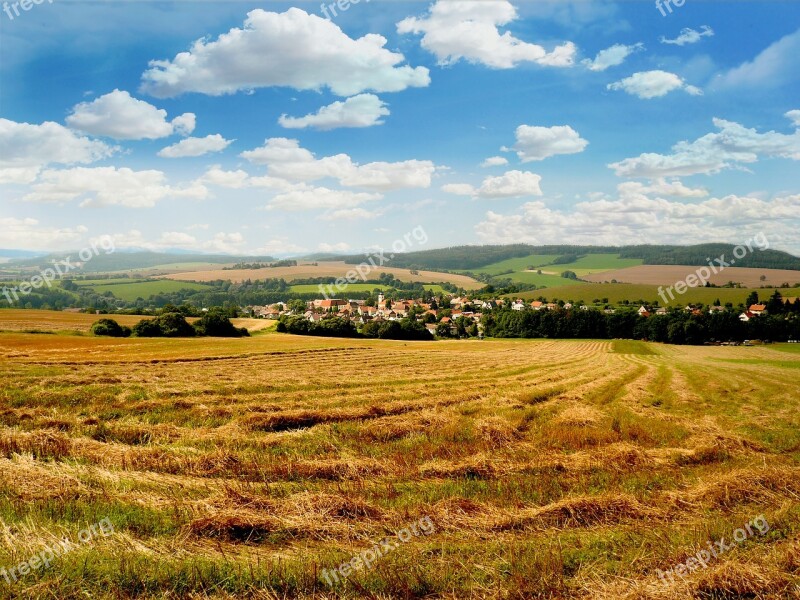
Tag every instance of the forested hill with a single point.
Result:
(475, 257)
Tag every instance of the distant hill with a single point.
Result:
(474, 257)
(122, 261)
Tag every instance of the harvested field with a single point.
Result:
(549, 469)
(668, 275)
(332, 269)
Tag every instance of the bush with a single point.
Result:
(215, 323)
(168, 325)
(110, 328)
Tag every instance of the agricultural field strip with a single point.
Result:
(206, 485)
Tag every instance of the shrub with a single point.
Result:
(168, 325)
(216, 324)
(110, 328)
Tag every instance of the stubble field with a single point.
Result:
(549, 469)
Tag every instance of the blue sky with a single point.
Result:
(247, 127)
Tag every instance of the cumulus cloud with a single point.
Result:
(364, 110)
(653, 84)
(495, 161)
(194, 146)
(774, 67)
(285, 158)
(794, 117)
(660, 187)
(120, 116)
(338, 247)
(351, 214)
(320, 198)
(511, 184)
(105, 186)
(26, 148)
(30, 234)
(279, 247)
(734, 145)
(291, 49)
(643, 219)
(611, 57)
(468, 29)
(537, 143)
(689, 36)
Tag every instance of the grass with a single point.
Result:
(241, 468)
(619, 292)
(131, 290)
(353, 287)
(551, 274)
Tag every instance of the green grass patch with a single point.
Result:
(632, 347)
(144, 289)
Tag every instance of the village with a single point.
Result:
(450, 310)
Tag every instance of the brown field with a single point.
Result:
(241, 468)
(322, 269)
(668, 275)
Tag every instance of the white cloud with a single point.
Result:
(495, 161)
(660, 187)
(511, 184)
(468, 29)
(279, 247)
(120, 116)
(689, 36)
(193, 146)
(284, 158)
(653, 84)
(773, 67)
(176, 239)
(31, 235)
(364, 110)
(351, 214)
(794, 117)
(225, 243)
(611, 57)
(538, 143)
(25, 148)
(319, 198)
(105, 186)
(640, 219)
(733, 145)
(291, 49)
(338, 247)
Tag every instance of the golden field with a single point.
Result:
(331, 269)
(241, 468)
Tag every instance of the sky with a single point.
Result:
(291, 128)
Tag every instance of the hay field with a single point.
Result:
(331, 269)
(550, 469)
(59, 322)
(668, 275)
